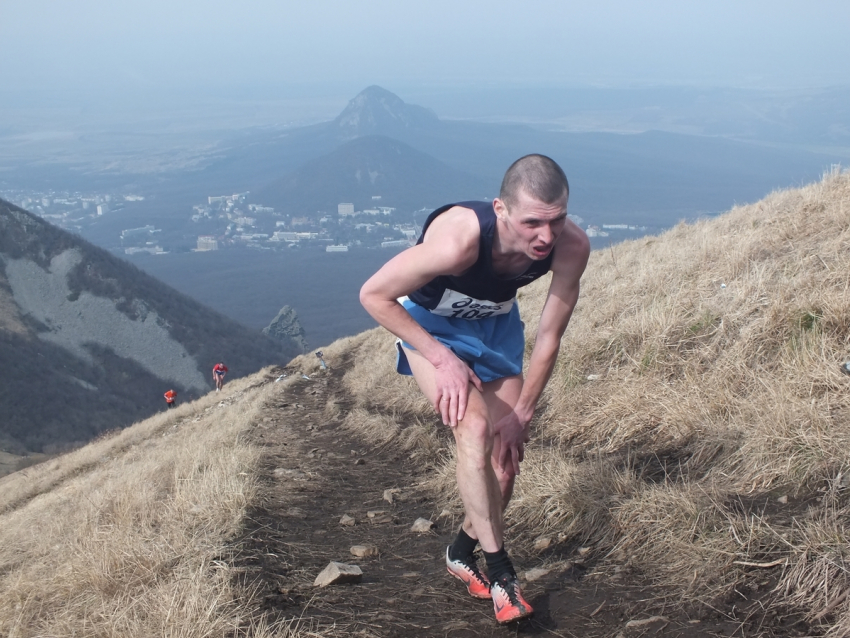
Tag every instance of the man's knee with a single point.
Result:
(474, 436)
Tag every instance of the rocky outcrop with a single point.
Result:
(286, 328)
(75, 322)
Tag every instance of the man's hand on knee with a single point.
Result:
(513, 434)
(452, 377)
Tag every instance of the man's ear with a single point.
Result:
(500, 208)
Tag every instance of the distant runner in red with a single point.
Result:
(171, 398)
(219, 370)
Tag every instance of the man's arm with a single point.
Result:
(450, 247)
(568, 264)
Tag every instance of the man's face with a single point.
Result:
(530, 226)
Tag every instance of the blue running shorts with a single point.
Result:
(493, 347)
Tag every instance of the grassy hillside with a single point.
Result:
(695, 437)
(133, 529)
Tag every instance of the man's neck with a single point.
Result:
(507, 262)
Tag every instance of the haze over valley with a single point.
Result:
(271, 199)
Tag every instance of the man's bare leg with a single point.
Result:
(479, 488)
(501, 397)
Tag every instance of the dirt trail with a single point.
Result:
(316, 471)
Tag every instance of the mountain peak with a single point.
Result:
(378, 111)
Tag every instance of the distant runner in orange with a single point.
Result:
(219, 370)
(171, 398)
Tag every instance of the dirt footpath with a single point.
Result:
(315, 472)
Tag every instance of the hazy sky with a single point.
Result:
(267, 45)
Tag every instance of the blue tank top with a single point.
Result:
(479, 292)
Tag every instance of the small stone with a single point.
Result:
(535, 574)
(359, 462)
(347, 521)
(364, 551)
(336, 573)
(593, 377)
(646, 621)
(542, 543)
(445, 514)
(267, 419)
(381, 520)
(583, 551)
(374, 513)
(388, 495)
(782, 499)
(353, 452)
(421, 525)
(282, 472)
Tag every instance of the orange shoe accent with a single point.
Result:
(508, 602)
(468, 573)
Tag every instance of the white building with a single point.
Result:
(137, 232)
(345, 209)
(396, 243)
(284, 236)
(338, 248)
(207, 242)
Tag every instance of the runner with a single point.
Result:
(171, 398)
(219, 370)
(451, 302)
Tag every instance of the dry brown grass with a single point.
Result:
(129, 536)
(717, 348)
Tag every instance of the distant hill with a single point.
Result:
(89, 342)
(376, 111)
(374, 165)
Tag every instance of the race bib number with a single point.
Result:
(460, 306)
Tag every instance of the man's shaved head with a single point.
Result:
(539, 176)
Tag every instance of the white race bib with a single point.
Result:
(460, 306)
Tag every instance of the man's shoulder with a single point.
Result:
(574, 237)
(572, 250)
(449, 245)
(458, 227)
